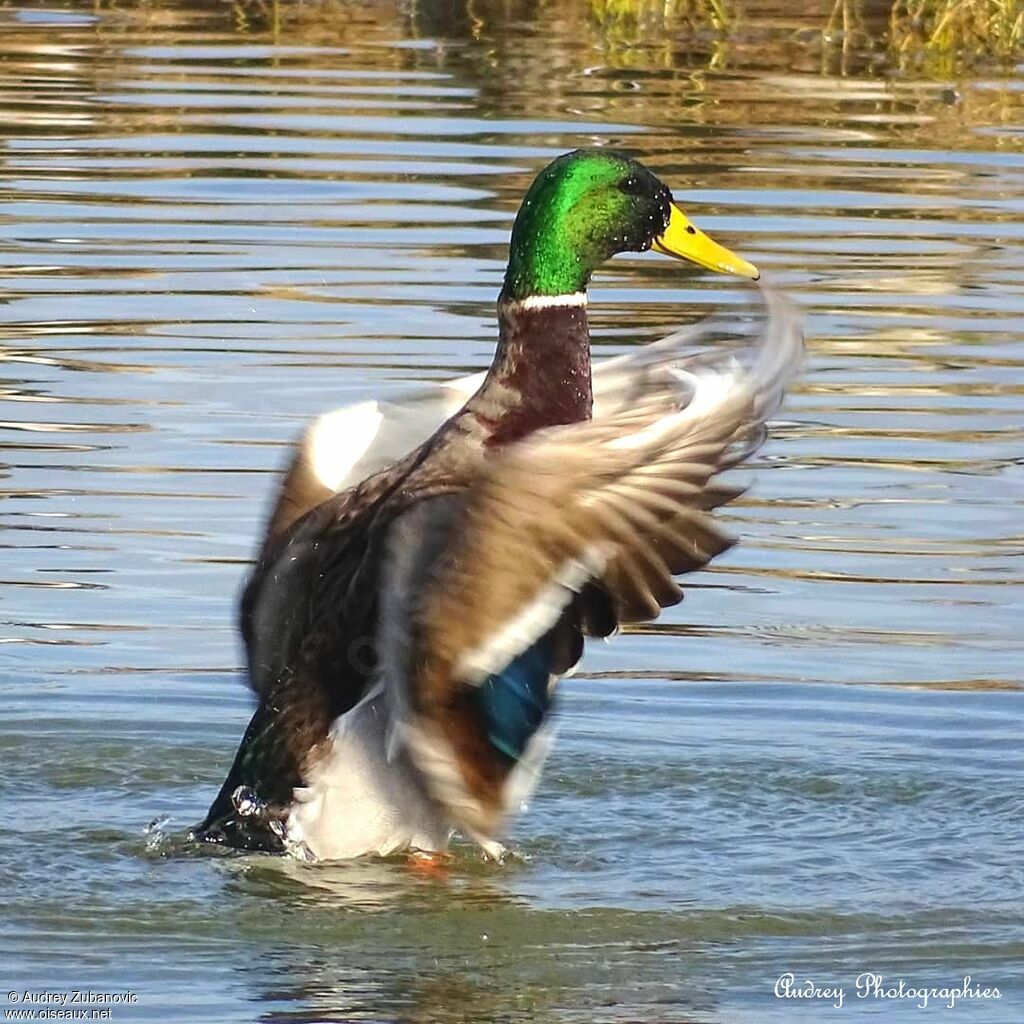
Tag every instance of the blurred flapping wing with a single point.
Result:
(568, 532)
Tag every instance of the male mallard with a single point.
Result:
(409, 614)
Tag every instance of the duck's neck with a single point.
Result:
(540, 376)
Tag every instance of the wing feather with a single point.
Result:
(587, 525)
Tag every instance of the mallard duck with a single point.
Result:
(432, 567)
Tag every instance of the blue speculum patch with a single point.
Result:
(515, 700)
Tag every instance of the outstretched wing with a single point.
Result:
(571, 530)
(347, 445)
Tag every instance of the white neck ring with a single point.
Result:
(570, 300)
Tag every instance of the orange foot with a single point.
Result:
(434, 866)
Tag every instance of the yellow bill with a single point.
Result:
(686, 242)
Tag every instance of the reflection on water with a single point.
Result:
(219, 220)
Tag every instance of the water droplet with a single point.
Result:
(247, 803)
(157, 838)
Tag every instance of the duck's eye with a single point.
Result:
(632, 185)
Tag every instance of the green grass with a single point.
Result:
(941, 35)
(958, 28)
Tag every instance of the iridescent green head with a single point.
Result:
(585, 207)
